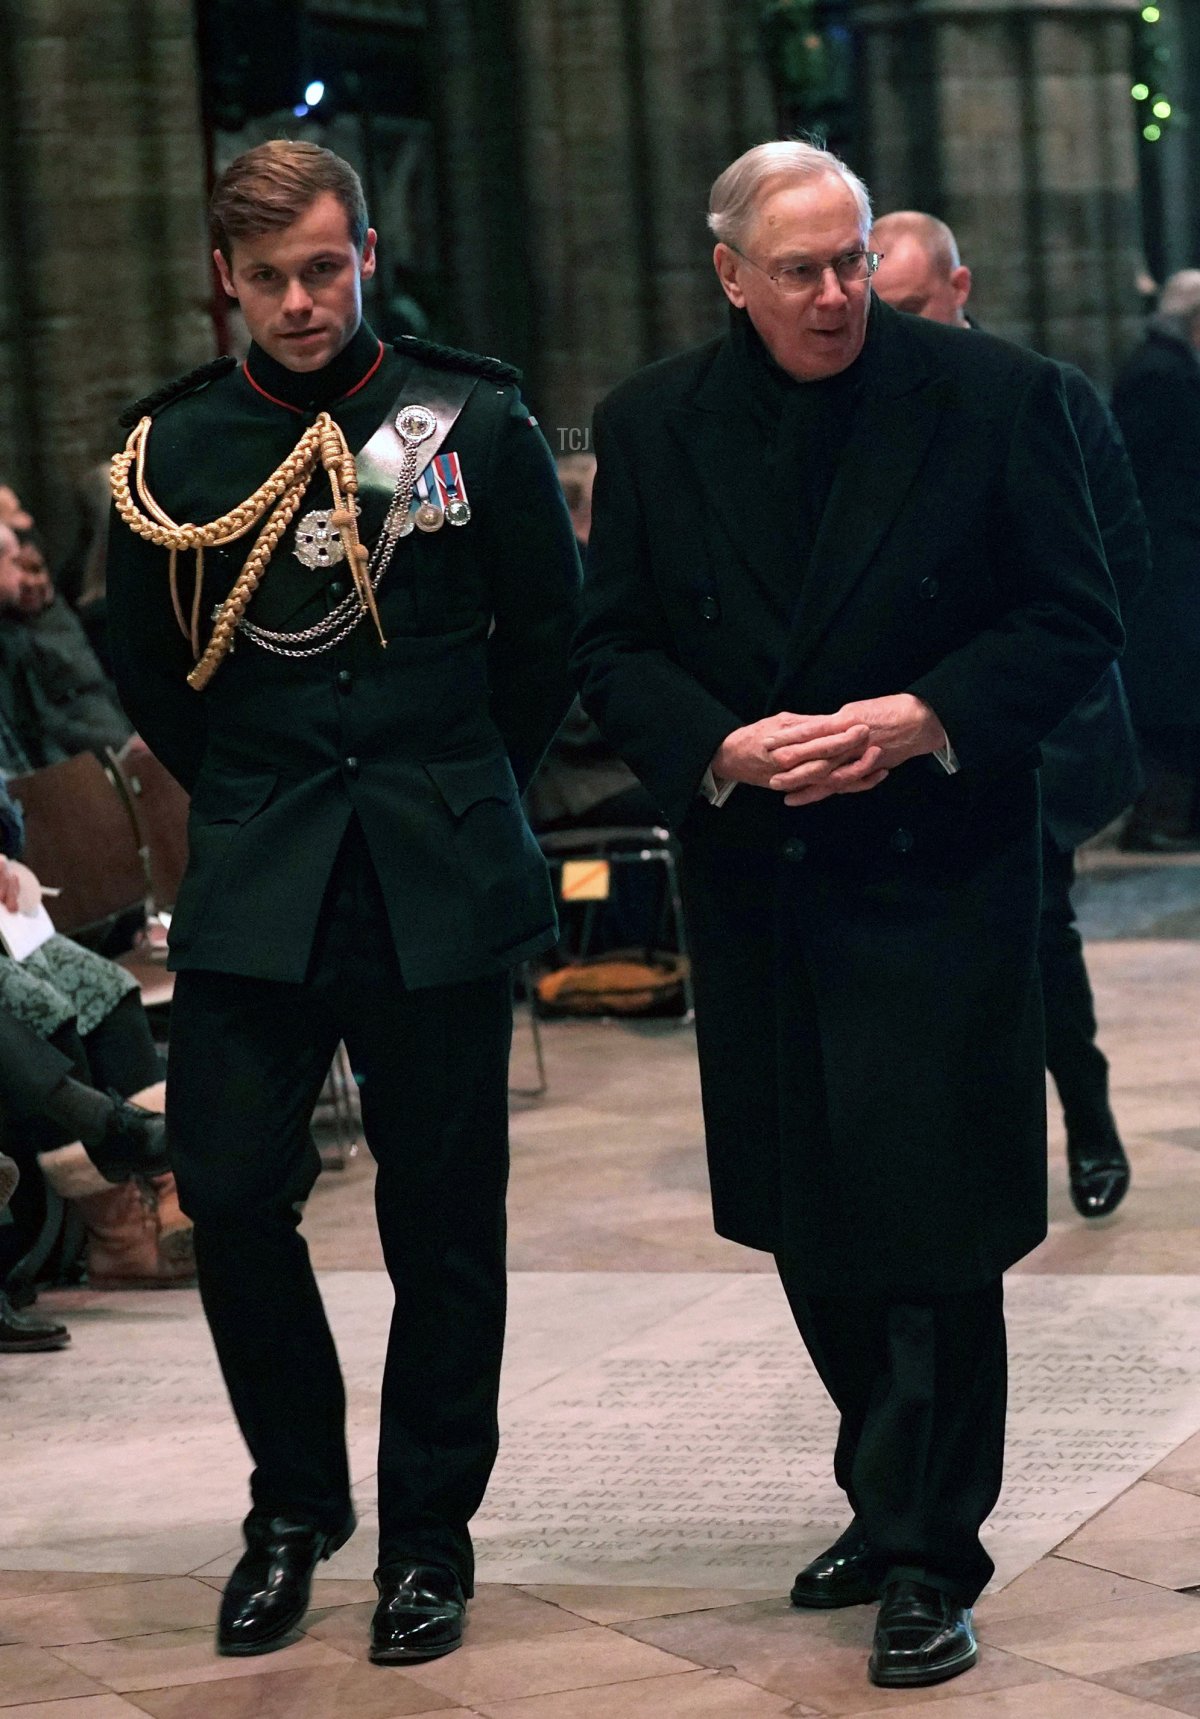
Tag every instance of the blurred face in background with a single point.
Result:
(300, 288)
(811, 330)
(11, 511)
(11, 571)
(911, 278)
(37, 587)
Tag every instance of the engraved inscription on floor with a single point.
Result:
(657, 1428)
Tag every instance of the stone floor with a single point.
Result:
(608, 1177)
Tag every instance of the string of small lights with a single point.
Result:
(1150, 92)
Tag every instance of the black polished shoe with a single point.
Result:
(849, 1574)
(1099, 1176)
(134, 1144)
(267, 1594)
(26, 1333)
(420, 1615)
(922, 1636)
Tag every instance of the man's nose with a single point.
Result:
(831, 292)
(297, 300)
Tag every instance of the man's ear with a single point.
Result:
(960, 280)
(725, 261)
(367, 266)
(222, 268)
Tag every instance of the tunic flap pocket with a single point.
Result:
(464, 782)
(232, 799)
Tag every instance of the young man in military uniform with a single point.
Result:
(360, 870)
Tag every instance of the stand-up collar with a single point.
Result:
(773, 389)
(315, 390)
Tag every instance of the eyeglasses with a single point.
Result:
(800, 278)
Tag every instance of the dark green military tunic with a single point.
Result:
(429, 741)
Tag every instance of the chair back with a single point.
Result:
(160, 808)
(80, 839)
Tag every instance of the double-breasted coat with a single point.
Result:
(868, 1009)
(429, 742)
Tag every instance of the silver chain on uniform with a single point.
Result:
(414, 425)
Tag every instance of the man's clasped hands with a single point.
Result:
(810, 758)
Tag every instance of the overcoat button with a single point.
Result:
(710, 609)
(900, 841)
(336, 589)
(351, 766)
(929, 588)
(794, 849)
(345, 680)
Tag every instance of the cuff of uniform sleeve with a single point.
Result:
(716, 789)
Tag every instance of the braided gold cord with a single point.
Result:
(277, 500)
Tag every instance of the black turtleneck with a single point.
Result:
(807, 425)
(308, 391)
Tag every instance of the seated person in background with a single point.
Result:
(22, 1332)
(55, 700)
(67, 1012)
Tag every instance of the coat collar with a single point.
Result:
(901, 402)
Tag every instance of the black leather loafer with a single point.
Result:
(1099, 1178)
(420, 1615)
(848, 1574)
(267, 1594)
(922, 1636)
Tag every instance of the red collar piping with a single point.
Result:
(299, 410)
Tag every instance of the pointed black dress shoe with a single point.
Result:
(1099, 1176)
(267, 1594)
(849, 1574)
(922, 1636)
(134, 1143)
(420, 1615)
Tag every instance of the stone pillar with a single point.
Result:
(104, 284)
(1012, 120)
(579, 139)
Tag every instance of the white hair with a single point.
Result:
(733, 200)
(1181, 295)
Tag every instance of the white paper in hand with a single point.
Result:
(31, 926)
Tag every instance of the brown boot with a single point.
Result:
(174, 1230)
(123, 1242)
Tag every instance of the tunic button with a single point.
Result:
(929, 588)
(345, 680)
(351, 766)
(710, 609)
(794, 849)
(900, 841)
(336, 589)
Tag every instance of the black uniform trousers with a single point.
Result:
(1076, 1063)
(921, 1386)
(248, 1059)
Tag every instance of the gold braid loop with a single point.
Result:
(274, 501)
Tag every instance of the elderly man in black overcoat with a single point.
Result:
(843, 577)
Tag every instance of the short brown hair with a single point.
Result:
(267, 188)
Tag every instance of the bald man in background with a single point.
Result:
(1090, 771)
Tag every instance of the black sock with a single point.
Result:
(83, 1110)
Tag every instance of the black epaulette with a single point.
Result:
(452, 358)
(195, 379)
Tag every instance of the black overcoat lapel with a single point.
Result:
(722, 435)
(895, 423)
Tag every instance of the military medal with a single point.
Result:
(318, 541)
(448, 468)
(430, 515)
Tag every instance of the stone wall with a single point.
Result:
(578, 142)
(103, 278)
(1012, 120)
